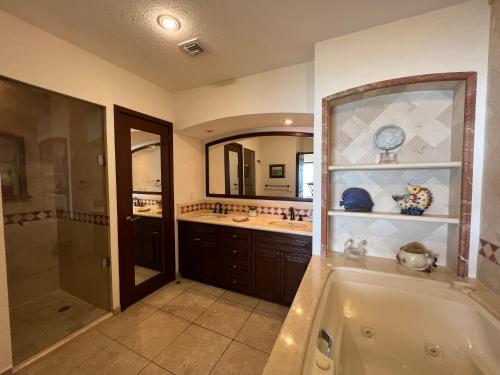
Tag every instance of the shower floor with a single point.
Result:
(39, 323)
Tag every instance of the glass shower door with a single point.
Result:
(53, 184)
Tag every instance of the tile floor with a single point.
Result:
(37, 324)
(186, 328)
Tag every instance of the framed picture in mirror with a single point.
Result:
(276, 170)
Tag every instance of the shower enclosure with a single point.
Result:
(55, 214)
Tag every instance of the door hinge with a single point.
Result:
(101, 160)
(105, 263)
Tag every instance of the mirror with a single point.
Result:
(147, 209)
(277, 165)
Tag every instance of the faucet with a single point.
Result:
(135, 202)
(217, 208)
(283, 216)
(292, 213)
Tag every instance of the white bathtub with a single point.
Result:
(387, 324)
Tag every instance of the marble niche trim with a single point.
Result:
(28, 217)
(267, 209)
(469, 79)
(489, 251)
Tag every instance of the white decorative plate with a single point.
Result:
(389, 137)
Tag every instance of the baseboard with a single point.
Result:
(6, 372)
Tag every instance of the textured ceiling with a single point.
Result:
(242, 37)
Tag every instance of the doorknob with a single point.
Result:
(131, 219)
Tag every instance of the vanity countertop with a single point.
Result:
(269, 223)
(149, 211)
(289, 351)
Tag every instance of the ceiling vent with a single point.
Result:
(192, 47)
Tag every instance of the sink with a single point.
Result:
(207, 216)
(285, 224)
(143, 209)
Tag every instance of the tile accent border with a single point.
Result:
(28, 217)
(262, 209)
(489, 251)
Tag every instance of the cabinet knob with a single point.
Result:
(235, 251)
(197, 239)
(234, 281)
(235, 236)
(234, 266)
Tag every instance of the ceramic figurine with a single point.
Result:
(415, 202)
(415, 256)
(356, 200)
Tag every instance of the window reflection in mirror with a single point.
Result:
(262, 166)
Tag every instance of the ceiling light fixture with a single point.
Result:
(169, 22)
(288, 121)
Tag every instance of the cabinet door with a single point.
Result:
(266, 273)
(293, 268)
(207, 256)
(187, 252)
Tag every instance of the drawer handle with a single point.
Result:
(235, 236)
(234, 281)
(235, 251)
(197, 239)
(235, 266)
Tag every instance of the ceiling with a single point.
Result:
(241, 37)
(228, 126)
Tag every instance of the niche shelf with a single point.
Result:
(396, 216)
(437, 113)
(398, 166)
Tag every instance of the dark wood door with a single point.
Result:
(293, 268)
(157, 244)
(266, 273)
(233, 171)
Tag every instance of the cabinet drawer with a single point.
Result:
(240, 268)
(284, 242)
(203, 234)
(240, 254)
(235, 238)
(236, 282)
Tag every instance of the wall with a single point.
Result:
(285, 90)
(451, 39)
(31, 55)
(489, 254)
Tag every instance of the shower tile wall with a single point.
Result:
(489, 255)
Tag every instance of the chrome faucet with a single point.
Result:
(291, 213)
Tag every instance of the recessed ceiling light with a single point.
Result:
(169, 22)
(288, 121)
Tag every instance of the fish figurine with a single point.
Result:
(415, 202)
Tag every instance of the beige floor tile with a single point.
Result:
(261, 330)
(190, 304)
(153, 369)
(153, 334)
(115, 359)
(70, 354)
(224, 317)
(272, 308)
(164, 295)
(195, 352)
(209, 289)
(240, 298)
(120, 324)
(242, 360)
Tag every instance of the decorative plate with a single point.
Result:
(389, 137)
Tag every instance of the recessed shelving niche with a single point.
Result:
(437, 114)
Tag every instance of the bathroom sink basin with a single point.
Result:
(207, 216)
(285, 224)
(143, 209)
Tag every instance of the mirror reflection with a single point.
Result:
(146, 201)
(262, 166)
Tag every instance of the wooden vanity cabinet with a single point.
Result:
(263, 264)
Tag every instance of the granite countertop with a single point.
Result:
(269, 223)
(289, 352)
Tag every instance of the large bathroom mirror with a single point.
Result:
(274, 165)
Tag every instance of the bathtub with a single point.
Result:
(369, 323)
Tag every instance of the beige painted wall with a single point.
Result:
(285, 90)
(447, 40)
(488, 271)
(31, 55)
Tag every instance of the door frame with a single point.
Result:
(129, 292)
(234, 147)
